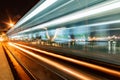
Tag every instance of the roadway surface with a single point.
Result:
(30, 65)
(46, 65)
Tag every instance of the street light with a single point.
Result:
(11, 24)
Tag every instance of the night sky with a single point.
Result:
(14, 10)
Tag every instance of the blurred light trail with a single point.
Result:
(68, 70)
(89, 25)
(91, 12)
(40, 8)
(83, 63)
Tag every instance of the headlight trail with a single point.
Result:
(83, 63)
(73, 72)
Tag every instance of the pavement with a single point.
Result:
(5, 71)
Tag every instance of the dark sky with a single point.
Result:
(15, 9)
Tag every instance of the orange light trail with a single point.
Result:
(73, 72)
(83, 63)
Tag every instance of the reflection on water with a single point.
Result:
(112, 46)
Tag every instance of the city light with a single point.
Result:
(11, 24)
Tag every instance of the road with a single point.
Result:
(45, 65)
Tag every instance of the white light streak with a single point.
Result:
(40, 8)
(89, 25)
(81, 15)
